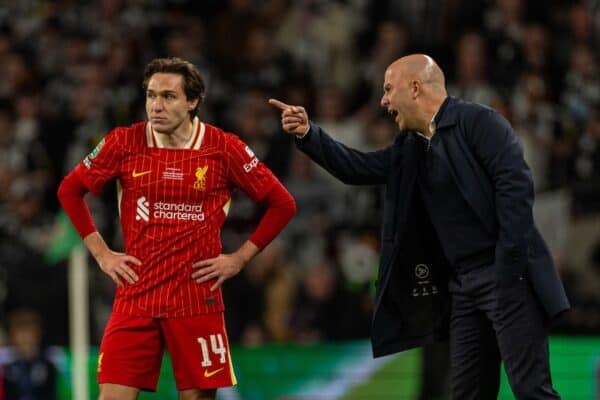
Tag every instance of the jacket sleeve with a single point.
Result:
(497, 148)
(350, 166)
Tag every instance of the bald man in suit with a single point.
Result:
(460, 255)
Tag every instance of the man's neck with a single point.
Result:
(179, 137)
(428, 120)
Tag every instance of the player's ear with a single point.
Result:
(192, 104)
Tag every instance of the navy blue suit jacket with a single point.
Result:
(487, 163)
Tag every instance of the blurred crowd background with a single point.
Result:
(71, 70)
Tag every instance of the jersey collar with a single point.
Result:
(194, 143)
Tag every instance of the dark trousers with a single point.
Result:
(486, 329)
(435, 372)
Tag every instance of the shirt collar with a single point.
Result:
(432, 123)
(432, 126)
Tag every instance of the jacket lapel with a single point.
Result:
(465, 170)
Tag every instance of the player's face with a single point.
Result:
(396, 98)
(166, 104)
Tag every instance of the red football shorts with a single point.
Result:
(132, 349)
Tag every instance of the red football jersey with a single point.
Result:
(172, 204)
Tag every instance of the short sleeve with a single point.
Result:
(103, 163)
(246, 171)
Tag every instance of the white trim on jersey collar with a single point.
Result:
(200, 136)
(194, 142)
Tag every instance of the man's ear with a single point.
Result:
(193, 104)
(415, 88)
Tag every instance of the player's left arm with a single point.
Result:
(281, 207)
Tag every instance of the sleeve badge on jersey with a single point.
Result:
(87, 161)
(96, 150)
(253, 160)
(249, 152)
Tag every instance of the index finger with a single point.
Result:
(279, 104)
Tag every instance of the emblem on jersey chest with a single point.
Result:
(200, 174)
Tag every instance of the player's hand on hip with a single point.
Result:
(294, 119)
(116, 265)
(220, 268)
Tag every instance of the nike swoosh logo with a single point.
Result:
(138, 174)
(208, 374)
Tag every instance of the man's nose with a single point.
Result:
(384, 102)
(157, 104)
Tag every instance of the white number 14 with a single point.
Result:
(217, 347)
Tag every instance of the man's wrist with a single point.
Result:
(303, 135)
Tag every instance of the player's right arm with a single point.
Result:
(91, 175)
(71, 194)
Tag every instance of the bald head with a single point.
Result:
(414, 89)
(420, 67)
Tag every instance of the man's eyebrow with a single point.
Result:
(167, 91)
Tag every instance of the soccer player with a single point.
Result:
(176, 175)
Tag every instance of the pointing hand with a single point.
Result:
(294, 119)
